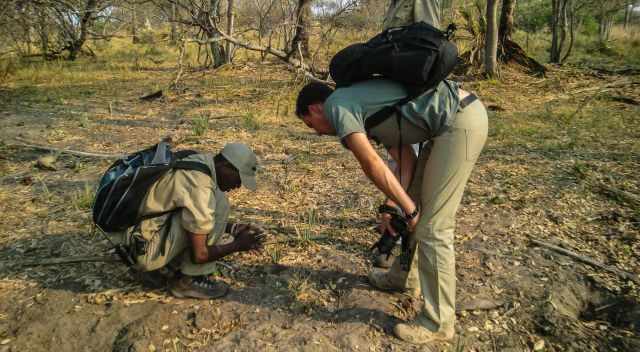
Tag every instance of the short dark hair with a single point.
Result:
(221, 160)
(312, 93)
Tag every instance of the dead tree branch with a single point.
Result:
(309, 72)
(25, 144)
(587, 260)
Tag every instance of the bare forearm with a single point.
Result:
(378, 172)
(220, 251)
(386, 182)
(203, 254)
(406, 164)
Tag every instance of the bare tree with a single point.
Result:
(506, 22)
(173, 18)
(300, 41)
(134, 23)
(559, 26)
(491, 41)
(230, 28)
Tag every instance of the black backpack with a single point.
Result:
(126, 182)
(419, 56)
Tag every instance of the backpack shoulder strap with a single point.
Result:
(191, 165)
(181, 154)
(383, 114)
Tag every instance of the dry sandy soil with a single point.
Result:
(560, 166)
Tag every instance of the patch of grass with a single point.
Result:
(250, 122)
(200, 125)
(276, 255)
(83, 199)
(305, 236)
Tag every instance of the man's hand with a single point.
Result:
(385, 224)
(239, 228)
(248, 237)
(413, 222)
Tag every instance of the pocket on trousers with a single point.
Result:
(474, 143)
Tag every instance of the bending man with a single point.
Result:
(452, 124)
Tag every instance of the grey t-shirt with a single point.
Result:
(423, 118)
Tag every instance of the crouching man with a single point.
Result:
(185, 240)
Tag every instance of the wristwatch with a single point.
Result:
(410, 217)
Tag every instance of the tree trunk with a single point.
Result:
(627, 14)
(506, 21)
(564, 26)
(230, 28)
(43, 32)
(134, 24)
(491, 41)
(174, 32)
(300, 41)
(572, 30)
(217, 57)
(559, 27)
(604, 25)
(510, 51)
(86, 21)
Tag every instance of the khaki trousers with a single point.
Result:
(442, 171)
(166, 241)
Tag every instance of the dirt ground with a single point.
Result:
(561, 166)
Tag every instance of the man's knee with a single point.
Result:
(436, 233)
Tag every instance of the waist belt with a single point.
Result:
(467, 101)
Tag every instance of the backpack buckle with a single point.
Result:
(451, 29)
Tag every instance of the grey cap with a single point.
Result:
(243, 159)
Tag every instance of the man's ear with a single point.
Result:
(317, 108)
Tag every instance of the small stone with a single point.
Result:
(165, 327)
(5, 341)
(47, 162)
(473, 329)
(152, 348)
(539, 345)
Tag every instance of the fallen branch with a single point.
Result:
(309, 72)
(615, 84)
(152, 96)
(627, 197)
(628, 71)
(624, 99)
(25, 144)
(66, 260)
(587, 260)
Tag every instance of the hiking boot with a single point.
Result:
(383, 281)
(200, 287)
(417, 333)
(383, 261)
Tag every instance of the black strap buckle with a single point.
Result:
(451, 30)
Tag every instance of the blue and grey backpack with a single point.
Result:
(126, 183)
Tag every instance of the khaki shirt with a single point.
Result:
(422, 119)
(405, 12)
(203, 208)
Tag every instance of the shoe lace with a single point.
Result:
(204, 282)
